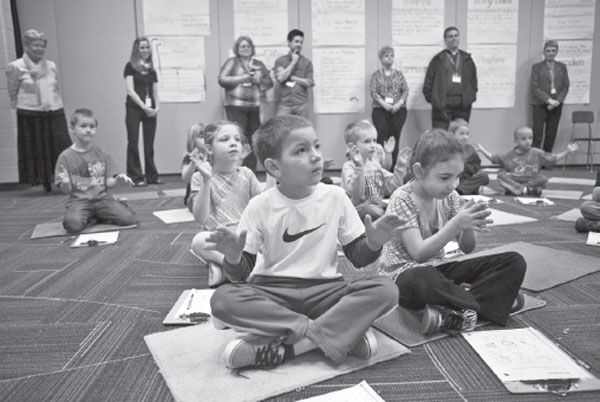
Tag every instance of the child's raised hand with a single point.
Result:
(63, 175)
(227, 242)
(572, 147)
(473, 216)
(355, 156)
(404, 156)
(198, 158)
(246, 150)
(327, 163)
(389, 144)
(383, 229)
(205, 170)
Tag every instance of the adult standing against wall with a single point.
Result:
(549, 87)
(389, 91)
(294, 72)
(42, 132)
(245, 81)
(141, 107)
(450, 82)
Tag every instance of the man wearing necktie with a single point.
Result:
(450, 82)
(549, 87)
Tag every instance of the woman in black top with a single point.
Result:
(142, 106)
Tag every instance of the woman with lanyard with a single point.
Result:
(142, 106)
(389, 91)
(245, 81)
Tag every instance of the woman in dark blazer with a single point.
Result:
(549, 87)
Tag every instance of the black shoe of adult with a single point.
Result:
(158, 182)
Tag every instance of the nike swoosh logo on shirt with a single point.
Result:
(288, 238)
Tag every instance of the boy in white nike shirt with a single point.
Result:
(296, 301)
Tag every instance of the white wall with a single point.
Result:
(8, 119)
(90, 41)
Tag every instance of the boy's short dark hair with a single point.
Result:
(267, 141)
(82, 112)
(450, 29)
(519, 130)
(293, 33)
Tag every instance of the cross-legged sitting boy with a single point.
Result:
(522, 164)
(85, 172)
(472, 178)
(366, 182)
(590, 211)
(295, 300)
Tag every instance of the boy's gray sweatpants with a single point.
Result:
(333, 313)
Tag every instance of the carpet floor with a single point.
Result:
(72, 320)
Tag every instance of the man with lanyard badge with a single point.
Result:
(450, 82)
(294, 72)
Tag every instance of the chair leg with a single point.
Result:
(590, 149)
(570, 141)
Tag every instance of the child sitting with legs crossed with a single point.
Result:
(590, 211)
(366, 182)
(220, 190)
(292, 299)
(472, 178)
(85, 172)
(415, 258)
(522, 164)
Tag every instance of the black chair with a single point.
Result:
(583, 117)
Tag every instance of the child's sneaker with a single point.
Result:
(534, 191)
(366, 347)
(124, 201)
(438, 318)
(254, 351)
(587, 225)
(216, 276)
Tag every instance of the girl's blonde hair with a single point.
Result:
(354, 130)
(456, 124)
(194, 132)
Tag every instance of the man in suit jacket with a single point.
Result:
(549, 87)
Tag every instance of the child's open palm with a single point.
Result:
(198, 158)
(355, 156)
(404, 156)
(473, 216)
(389, 144)
(383, 229)
(227, 242)
(63, 175)
(246, 150)
(126, 179)
(572, 147)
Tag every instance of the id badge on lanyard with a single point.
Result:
(456, 78)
